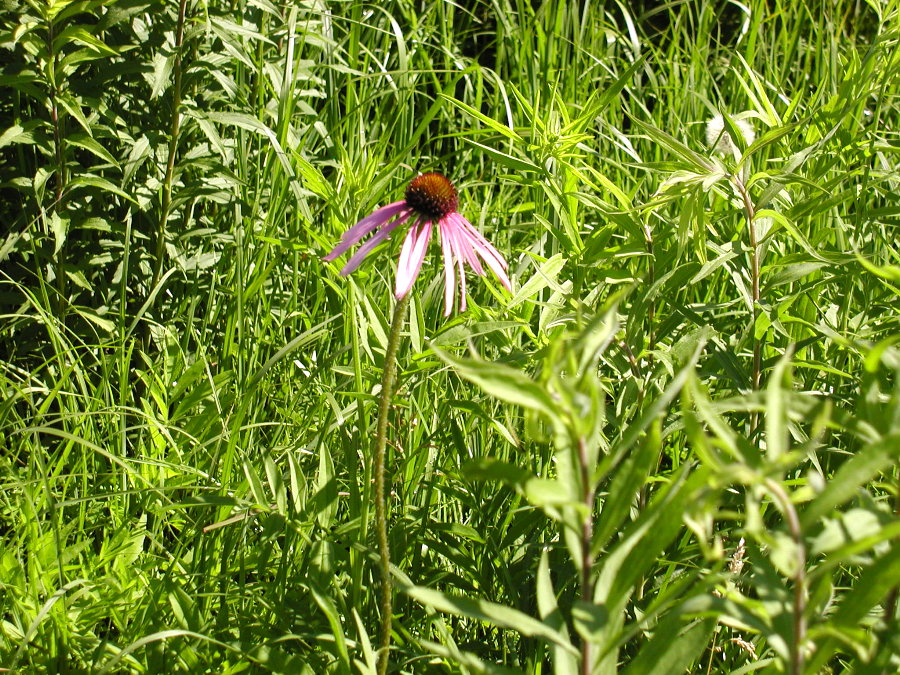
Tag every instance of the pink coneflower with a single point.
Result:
(430, 198)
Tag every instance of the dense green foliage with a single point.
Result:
(672, 448)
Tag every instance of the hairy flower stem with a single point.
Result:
(388, 380)
(587, 538)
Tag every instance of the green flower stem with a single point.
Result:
(750, 214)
(175, 124)
(388, 379)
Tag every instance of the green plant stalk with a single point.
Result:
(587, 538)
(60, 165)
(651, 309)
(166, 204)
(388, 379)
(750, 214)
(799, 601)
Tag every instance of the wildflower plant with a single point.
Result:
(430, 199)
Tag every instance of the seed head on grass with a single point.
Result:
(430, 198)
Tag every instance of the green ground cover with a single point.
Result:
(671, 447)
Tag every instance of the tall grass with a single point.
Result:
(672, 448)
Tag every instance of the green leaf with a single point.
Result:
(334, 620)
(15, 134)
(327, 493)
(673, 649)
(540, 492)
(870, 589)
(502, 382)
(855, 472)
(644, 539)
(484, 119)
(776, 418)
(59, 226)
(700, 164)
(84, 141)
(459, 332)
(510, 162)
(546, 275)
(474, 664)
(492, 613)
(101, 184)
(623, 488)
(849, 526)
(564, 662)
(256, 488)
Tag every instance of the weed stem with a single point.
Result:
(166, 205)
(587, 538)
(799, 608)
(750, 214)
(388, 380)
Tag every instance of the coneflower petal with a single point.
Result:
(483, 244)
(465, 243)
(412, 256)
(430, 199)
(376, 239)
(483, 248)
(449, 275)
(371, 222)
(457, 246)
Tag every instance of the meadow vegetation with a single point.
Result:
(671, 447)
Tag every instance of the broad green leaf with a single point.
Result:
(492, 613)
(776, 417)
(685, 354)
(564, 662)
(459, 332)
(474, 664)
(624, 486)
(100, 184)
(546, 275)
(327, 493)
(854, 473)
(540, 492)
(699, 163)
(870, 589)
(86, 142)
(643, 540)
(59, 226)
(502, 382)
(334, 621)
(673, 648)
(256, 488)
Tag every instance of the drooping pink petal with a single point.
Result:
(449, 276)
(465, 246)
(412, 256)
(484, 244)
(457, 246)
(483, 248)
(462, 272)
(371, 222)
(376, 239)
